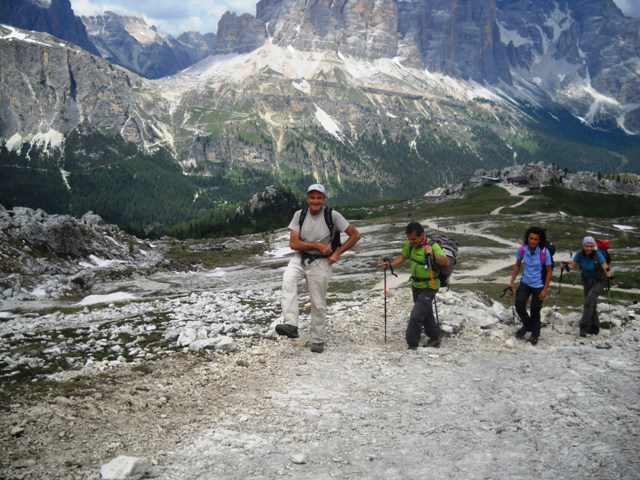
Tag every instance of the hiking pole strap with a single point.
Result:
(385, 259)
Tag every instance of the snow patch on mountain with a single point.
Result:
(21, 36)
(304, 66)
(558, 22)
(328, 123)
(512, 36)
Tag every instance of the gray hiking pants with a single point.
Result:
(317, 274)
(593, 287)
(422, 316)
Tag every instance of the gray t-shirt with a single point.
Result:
(314, 228)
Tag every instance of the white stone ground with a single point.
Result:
(484, 405)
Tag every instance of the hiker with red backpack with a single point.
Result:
(594, 264)
(313, 239)
(426, 257)
(534, 258)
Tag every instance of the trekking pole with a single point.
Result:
(609, 298)
(558, 294)
(433, 287)
(385, 295)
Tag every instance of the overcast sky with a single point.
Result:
(178, 16)
(170, 16)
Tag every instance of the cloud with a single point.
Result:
(169, 16)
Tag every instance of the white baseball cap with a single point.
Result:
(317, 187)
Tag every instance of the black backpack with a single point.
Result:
(336, 242)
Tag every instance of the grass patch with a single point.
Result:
(9, 391)
(145, 369)
(210, 254)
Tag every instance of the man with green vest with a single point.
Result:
(425, 283)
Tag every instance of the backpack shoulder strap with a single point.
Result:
(303, 215)
(596, 258)
(328, 218)
(543, 255)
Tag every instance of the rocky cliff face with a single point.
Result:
(583, 53)
(239, 34)
(57, 19)
(129, 42)
(365, 29)
(579, 54)
(49, 89)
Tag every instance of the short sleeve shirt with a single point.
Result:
(420, 275)
(315, 229)
(532, 273)
(588, 264)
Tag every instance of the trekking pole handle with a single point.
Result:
(433, 283)
(385, 259)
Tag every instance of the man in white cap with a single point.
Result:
(311, 240)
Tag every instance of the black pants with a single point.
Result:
(422, 316)
(592, 289)
(530, 320)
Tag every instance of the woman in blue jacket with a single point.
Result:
(595, 270)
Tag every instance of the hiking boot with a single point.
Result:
(290, 331)
(412, 347)
(317, 347)
(433, 342)
(522, 331)
(533, 340)
(594, 329)
(583, 332)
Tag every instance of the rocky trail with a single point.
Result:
(179, 375)
(484, 405)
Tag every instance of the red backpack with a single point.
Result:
(603, 246)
